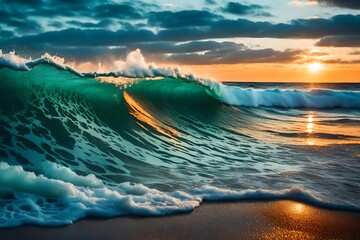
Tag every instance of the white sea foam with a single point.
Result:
(134, 66)
(56, 171)
(15, 178)
(316, 98)
(27, 198)
(13, 61)
(24, 199)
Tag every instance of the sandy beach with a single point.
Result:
(226, 220)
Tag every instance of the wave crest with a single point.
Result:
(135, 66)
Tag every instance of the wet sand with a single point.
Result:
(229, 220)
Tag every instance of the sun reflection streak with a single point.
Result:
(310, 126)
(311, 141)
(144, 116)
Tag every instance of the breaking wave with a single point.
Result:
(135, 66)
(76, 144)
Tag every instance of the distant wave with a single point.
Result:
(315, 98)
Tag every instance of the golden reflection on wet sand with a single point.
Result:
(295, 220)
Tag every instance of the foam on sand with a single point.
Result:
(35, 199)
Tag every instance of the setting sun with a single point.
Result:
(315, 67)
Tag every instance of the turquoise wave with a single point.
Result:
(74, 145)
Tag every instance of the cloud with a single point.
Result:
(167, 19)
(241, 9)
(90, 29)
(23, 26)
(237, 56)
(198, 52)
(100, 24)
(189, 47)
(18, 23)
(87, 9)
(117, 11)
(86, 54)
(6, 34)
(340, 41)
(169, 5)
(179, 31)
(153, 50)
(81, 37)
(56, 24)
(352, 4)
(23, 2)
(300, 28)
(211, 2)
(302, 3)
(341, 61)
(354, 53)
(23, 9)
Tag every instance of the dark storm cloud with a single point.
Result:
(23, 26)
(340, 41)
(13, 21)
(190, 47)
(19, 23)
(221, 28)
(211, 2)
(300, 28)
(56, 24)
(180, 19)
(117, 11)
(47, 8)
(101, 24)
(353, 4)
(80, 37)
(242, 9)
(23, 2)
(238, 56)
(80, 8)
(178, 36)
(5, 34)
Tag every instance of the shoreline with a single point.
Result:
(212, 220)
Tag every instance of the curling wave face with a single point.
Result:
(73, 145)
(136, 67)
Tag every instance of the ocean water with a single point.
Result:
(159, 142)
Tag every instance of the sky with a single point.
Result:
(260, 40)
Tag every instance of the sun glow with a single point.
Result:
(315, 67)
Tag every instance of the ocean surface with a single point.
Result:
(157, 142)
